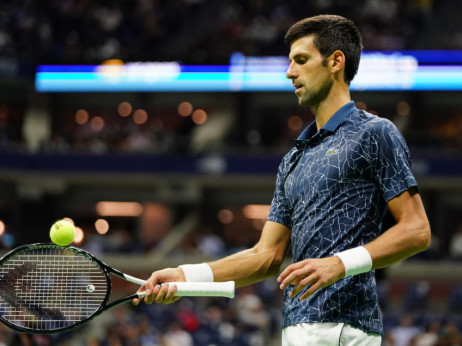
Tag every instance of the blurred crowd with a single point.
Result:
(201, 32)
(164, 131)
(252, 318)
(196, 31)
(437, 332)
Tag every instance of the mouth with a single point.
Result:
(297, 87)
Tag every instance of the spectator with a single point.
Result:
(176, 336)
(429, 337)
(404, 332)
(451, 335)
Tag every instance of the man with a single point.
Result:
(331, 194)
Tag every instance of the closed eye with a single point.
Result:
(300, 60)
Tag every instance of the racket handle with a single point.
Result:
(192, 289)
(204, 289)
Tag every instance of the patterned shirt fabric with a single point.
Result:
(332, 191)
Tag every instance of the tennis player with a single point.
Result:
(331, 194)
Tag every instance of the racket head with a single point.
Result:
(47, 288)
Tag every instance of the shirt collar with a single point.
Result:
(332, 124)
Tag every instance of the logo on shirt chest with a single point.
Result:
(331, 151)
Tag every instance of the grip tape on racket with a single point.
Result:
(204, 289)
(194, 289)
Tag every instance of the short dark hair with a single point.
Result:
(331, 33)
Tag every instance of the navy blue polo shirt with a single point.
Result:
(332, 191)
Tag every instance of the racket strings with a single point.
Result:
(50, 288)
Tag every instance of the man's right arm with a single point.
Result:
(257, 263)
(245, 267)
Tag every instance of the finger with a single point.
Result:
(306, 281)
(147, 287)
(163, 291)
(136, 301)
(141, 289)
(310, 291)
(288, 271)
(294, 267)
(294, 277)
(171, 293)
(282, 275)
(149, 299)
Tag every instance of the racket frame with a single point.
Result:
(226, 288)
(105, 269)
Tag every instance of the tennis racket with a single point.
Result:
(47, 288)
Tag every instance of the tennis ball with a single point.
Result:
(62, 233)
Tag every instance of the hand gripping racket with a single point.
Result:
(47, 288)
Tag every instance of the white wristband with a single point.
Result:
(197, 272)
(356, 260)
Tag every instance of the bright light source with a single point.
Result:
(97, 124)
(185, 109)
(101, 226)
(140, 116)
(199, 116)
(79, 235)
(130, 209)
(2, 227)
(225, 216)
(124, 109)
(81, 116)
(256, 211)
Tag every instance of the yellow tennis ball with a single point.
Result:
(62, 233)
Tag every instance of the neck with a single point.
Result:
(337, 97)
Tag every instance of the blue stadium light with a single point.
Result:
(379, 71)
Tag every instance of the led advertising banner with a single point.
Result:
(378, 71)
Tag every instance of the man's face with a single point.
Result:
(309, 72)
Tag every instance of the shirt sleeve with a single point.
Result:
(393, 170)
(280, 211)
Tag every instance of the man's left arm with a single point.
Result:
(410, 235)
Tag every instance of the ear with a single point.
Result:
(337, 61)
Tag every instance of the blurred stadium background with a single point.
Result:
(157, 171)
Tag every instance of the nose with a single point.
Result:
(291, 72)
